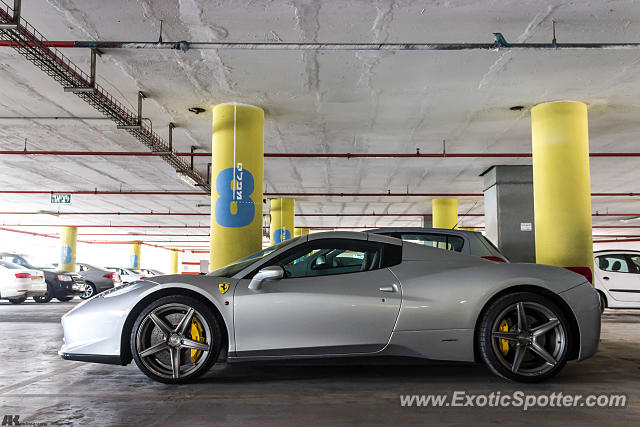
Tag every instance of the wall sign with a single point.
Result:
(61, 198)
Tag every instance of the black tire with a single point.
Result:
(554, 343)
(141, 335)
(603, 302)
(17, 300)
(89, 291)
(65, 299)
(44, 298)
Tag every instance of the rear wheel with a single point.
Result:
(89, 290)
(43, 298)
(17, 300)
(603, 302)
(175, 339)
(524, 337)
(65, 299)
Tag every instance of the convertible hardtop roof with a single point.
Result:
(356, 235)
(616, 250)
(421, 230)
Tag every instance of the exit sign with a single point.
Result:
(61, 198)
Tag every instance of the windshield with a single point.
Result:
(10, 265)
(38, 263)
(231, 269)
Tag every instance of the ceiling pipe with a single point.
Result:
(298, 155)
(340, 46)
(275, 194)
(329, 214)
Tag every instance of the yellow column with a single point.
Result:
(236, 192)
(134, 255)
(281, 225)
(445, 213)
(68, 240)
(173, 269)
(300, 231)
(561, 186)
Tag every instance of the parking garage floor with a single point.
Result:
(42, 388)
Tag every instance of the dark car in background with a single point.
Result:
(97, 279)
(463, 241)
(61, 284)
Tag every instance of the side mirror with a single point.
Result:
(273, 272)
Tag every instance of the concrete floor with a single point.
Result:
(40, 387)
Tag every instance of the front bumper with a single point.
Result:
(106, 314)
(585, 304)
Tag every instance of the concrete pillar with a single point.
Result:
(135, 250)
(237, 147)
(281, 225)
(562, 186)
(68, 241)
(173, 268)
(508, 211)
(445, 213)
(297, 231)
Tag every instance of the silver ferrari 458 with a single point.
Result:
(343, 294)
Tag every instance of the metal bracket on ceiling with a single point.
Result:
(554, 42)
(15, 21)
(138, 124)
(500, 41)
(92, 77)
(193, 148)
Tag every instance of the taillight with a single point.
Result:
(109, 276)
(23, 276)
(494, 258)
(584, 271)
(144, 277)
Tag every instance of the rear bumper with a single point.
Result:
(585, 304)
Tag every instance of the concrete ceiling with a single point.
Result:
(359, 102)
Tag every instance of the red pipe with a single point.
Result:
(299, 155)
(616, 240)
(283, 194)
(334, 214)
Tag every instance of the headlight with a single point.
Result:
(64, 278)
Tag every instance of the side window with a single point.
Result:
(123, 273)
(635, 263)
(614, 263)
(337, 256)
(17, 260)
(441, 241)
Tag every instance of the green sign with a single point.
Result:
(61, 198)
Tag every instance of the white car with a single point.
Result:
(18, 283)
(617, 278)
(128, 275)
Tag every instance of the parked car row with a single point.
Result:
(23, 276)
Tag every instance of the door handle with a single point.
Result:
(605, 278)
(392, 288)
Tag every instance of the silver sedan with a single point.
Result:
(342, 294)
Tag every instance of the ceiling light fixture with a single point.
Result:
(517, 108)
(187, 178)
(197, 110)
(634, 218)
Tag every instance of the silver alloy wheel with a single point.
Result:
(164, 342)
(538, 339)
(88, 291)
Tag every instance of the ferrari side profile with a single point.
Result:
(343, 294)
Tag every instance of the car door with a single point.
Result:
(619, 275)
(337, 297)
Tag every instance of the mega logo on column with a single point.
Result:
(234, 207)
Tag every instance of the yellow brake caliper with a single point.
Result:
(196, 335)
(503, 344)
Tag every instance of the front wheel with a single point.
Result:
(524, 337)
(64, 299)
(17, 300)
(175, 339)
